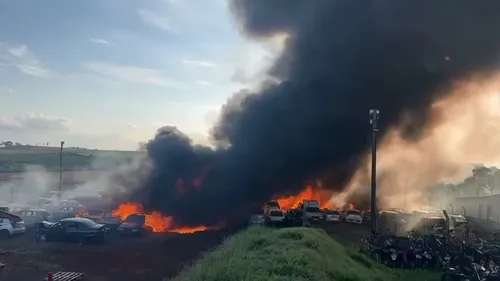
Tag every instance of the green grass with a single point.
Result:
(263, 254)
(17, 159)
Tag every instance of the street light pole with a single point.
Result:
(374, 116)
(61, 167)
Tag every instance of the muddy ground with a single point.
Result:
(126, 259)
(150, 258)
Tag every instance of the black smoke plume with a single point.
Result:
(341, 58)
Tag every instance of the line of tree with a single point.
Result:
(483, 181)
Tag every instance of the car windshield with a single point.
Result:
(356, 213)
(136, 218)
(313, 209)
(333, 213)
(276, 213)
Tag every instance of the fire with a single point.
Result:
(292, 202)
(351, 206)
(157, 221)
(80, 214)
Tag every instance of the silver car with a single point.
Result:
(32, 217)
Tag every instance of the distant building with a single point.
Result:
(482, 207)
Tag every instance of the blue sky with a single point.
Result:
(108, 73)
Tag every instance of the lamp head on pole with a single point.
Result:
(62, 143)
(374, 119)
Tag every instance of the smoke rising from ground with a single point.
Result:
(467, 133)
(340, 59)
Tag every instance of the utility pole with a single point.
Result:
(374, 116)
(61, 168)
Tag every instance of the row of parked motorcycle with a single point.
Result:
(465, 258)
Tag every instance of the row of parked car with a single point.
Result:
(66, 220)
(295, 217)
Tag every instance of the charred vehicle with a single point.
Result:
(133, 225)
(111, 222)
(78, 230)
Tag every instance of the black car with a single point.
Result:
(111, 222)
(133, 225)
(294, 217)
(79, 230)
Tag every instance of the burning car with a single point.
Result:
(80, 230)
(110, 221)
(133, 225)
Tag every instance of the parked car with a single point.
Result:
(133, 225)
(332, 216)
(93, 214)
(10, 225)
(367, 216)
(69, 203)
(353, 216)
(257, 220)
(79, 230)
(33, 216)
(111, 222)
(275, 217)
(294, 217)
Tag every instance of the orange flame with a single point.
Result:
(80, 214)
(292, 202)
(157, 221)
(351, 206)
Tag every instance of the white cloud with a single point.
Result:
(205, 83)
(131, 126)
(132, 74)
(99, 41)
(200, 63)
(35, 122)
(152, 18)
(24, 60)
(19, 51)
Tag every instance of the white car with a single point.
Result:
(10, 228)
(353, 216)
(276, 216)
(332, 216)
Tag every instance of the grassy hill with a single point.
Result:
(264, 254)
(19, 158)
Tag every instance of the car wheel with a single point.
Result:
(42, 237)
(4, 234)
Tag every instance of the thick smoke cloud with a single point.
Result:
(341, 58)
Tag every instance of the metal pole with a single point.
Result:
(374, 121)
(61, 168)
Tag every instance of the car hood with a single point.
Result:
(47, 223)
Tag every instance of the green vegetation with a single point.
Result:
(19, 158)
(262, 254)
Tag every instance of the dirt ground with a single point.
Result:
(150, 259)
